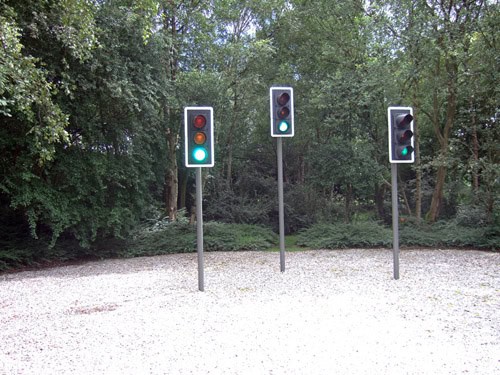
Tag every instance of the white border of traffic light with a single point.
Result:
(412, 160)
(211, 135)
(292, 110)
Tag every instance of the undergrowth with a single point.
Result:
(181, 238)
(18, 251)
(373, 234)
(338, 236)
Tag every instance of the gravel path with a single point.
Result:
(331, 312)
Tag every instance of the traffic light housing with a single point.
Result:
(199, 136)
(401, 146)
(281, 109)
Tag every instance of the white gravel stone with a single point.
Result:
(330, 312)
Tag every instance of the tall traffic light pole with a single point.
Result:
(199, 231)
(281, 204)
(395, 218)
(401, 147)
(282, 125)
(199, 152)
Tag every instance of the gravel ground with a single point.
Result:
(330, 312)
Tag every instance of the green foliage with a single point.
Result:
(233, 237)
(18, 249)
(89, 175)
(91, 95)
(450, 234)
(412, 234)
(181, 238)
(28, 252)
(173, 238)
(154, 238)
(341, 235)
(29, 116)
(250, 200)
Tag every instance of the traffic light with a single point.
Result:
(199, 136)
(281, 111)
(401, 148)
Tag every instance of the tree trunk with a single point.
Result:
(348, 203)
(230, 135)
(379, 200)
(418, 163)
(403, 192)
(229, 161)
(437, 196)
(472, 111)
(183, 188)
(443, 135)
(172, 133)
(302, 170)
(475, 153)
(171, 177)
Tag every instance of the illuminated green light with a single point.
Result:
(199, 154)
(404, 152)
(283, 126)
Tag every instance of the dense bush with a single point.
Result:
(450, 234)
(29, 252)
(154, 238)
(340, 235)
(372, 234)
(181, 238)
(19, 249)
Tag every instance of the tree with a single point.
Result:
(32, 122)
(324, 47)
(431, 48)
(477, 117)
(87, 174)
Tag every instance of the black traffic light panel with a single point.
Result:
(281, 111)
(401, 147)
(199, 136)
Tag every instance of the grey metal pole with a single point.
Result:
(395, 219)
(199, 231)
(281, 205)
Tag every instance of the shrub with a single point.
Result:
(341, 235)
(231, 237)
(181, 238)
(411, 233)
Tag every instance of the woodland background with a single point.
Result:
(91, 101)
